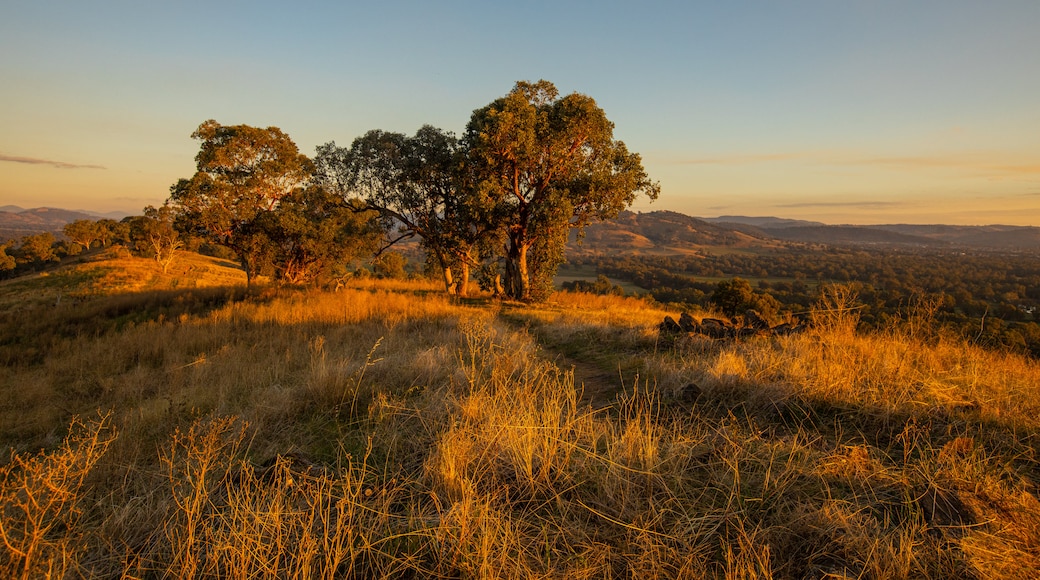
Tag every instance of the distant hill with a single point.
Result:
(762, 222)
(671, 232)
(994, 237)
(849, 235)
(16, 222)
(663, 232)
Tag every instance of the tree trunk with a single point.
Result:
(249, 271)
(462, 288)
(518, 284)
(449, 279)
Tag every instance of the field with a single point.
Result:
(157, 428)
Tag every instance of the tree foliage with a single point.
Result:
(313, 229)
(36, 249)
(418, 185)
(7, 262)
(83, 232)
(110, 231)
(154, 234)
(549, 164)
(242, 174)
(735, 297)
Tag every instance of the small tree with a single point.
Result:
(7, 262)
(735, 297)
(109, 231)
(314, 230)
(390, 265)
(83, 232)
(37, 249)
(602, 286)
(153, 234)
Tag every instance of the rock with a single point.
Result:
(716, 328)
(687, 323)
(752, 324)
(752, 319)
(670, 326)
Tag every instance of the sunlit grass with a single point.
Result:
(385, 430)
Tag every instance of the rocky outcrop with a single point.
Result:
(751, 324)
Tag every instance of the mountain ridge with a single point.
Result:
(666, 231)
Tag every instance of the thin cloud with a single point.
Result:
(51, 162)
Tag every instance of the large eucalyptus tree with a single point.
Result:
(550, 164)
(243, 173)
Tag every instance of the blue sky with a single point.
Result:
(837, 110)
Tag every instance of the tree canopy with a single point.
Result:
(550, 164)
(531, 167)
(418, 185)
(154, 234)
(242, 173)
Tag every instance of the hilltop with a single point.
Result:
(386, 430)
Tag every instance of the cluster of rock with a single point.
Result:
(751, 324)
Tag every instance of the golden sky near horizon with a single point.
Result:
(879, 112)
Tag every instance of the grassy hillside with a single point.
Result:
(159, 429)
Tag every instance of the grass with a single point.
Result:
(385, 430)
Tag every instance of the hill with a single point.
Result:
(158, 429)
(16, 222)
(987, 237)
(991, 237)
(762, 222)
(662, 232)
(668, 232)
(850, 235)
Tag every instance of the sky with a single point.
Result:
(840, 111)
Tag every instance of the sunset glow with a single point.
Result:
(879, 112)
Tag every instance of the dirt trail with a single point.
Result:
(599, 387)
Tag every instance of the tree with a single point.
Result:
(390, 265)
(735, 297)
(110, 231)
(550, 164)
(6, 261)
(313, 229)
(418, 185)
(242, 174)
(37, 249)
(83, 232)
(602, 286)
(154, 234)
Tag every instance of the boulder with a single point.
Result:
(670, 326)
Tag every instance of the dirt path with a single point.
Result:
(599, 387)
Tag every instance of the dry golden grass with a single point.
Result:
(385, 430)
